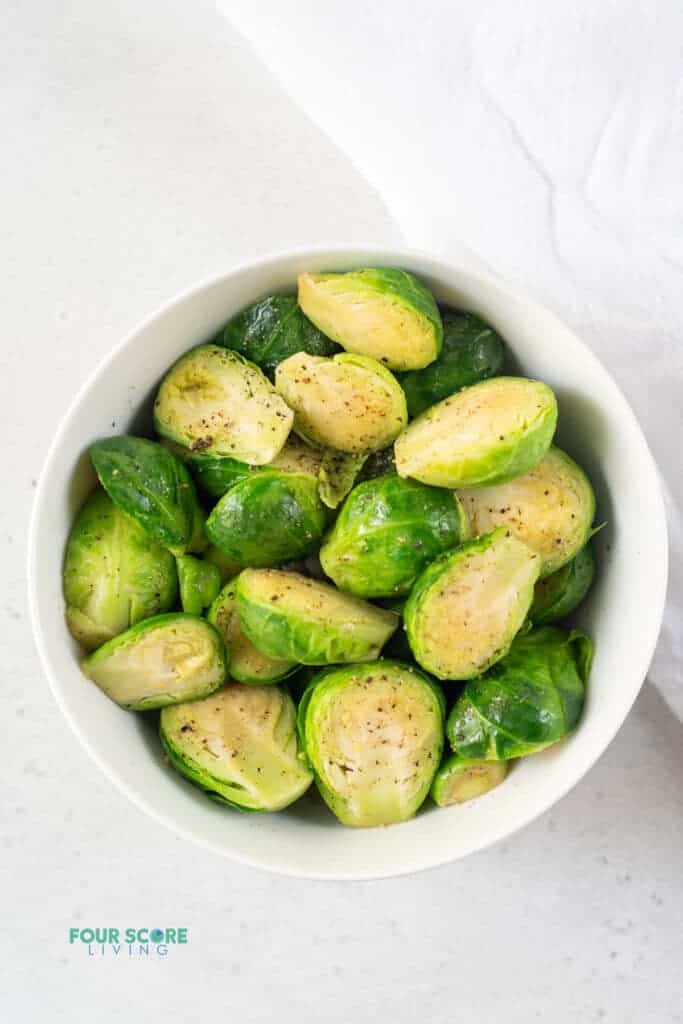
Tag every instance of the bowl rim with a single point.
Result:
(402, 254)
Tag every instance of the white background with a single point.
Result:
(146, 146)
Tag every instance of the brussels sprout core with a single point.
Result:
(466, 608)
(164, 660)
(550, 508)
(289, 616)
(213, 400)
(459, 780)
(384, 313)
(348, 403)
(484, 434)
(240, 745)
(373, 734)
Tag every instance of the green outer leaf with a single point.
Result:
(247, 664)
(377, 285)
(327, 628)
(114, 573)
(262, 771)
(557, 595)
(204, 680)
(388, 531)
(268, 518)
(150, 484)
(472, 351)
(383, 802)
(199, 581)
(430, 451)
(214, 474)
(272, 330)
(337, 475)
(527, 701)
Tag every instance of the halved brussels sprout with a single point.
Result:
(557, 595)
(466, 608)
(272, 330)
(373, 734)
(349, 403)
(387, 533)
(290, 616)
(114, 573)
(227, 567)
(247, 663)
(152, 485)
(484, 434)
(298, 457)
(337, 475)
(213, 400)
(530, 699)
(268, 518)
(200, 582)
(460, 779)
(472, 351)
(239, 745)
(383, 312)
(550, 508)
(163, 660)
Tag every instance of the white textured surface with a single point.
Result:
(145, 147)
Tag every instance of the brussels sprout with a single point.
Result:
(240, 746)
(472, 351)
(485, 434)
(373, 734)
(247, 664)
(298, 457)
(383, 313)
(348, 403)
(530, 699)
(215, 474)
(150, 484)
(200, 582)
(213, 400)
(272, 330)
(466, 608)
(287, 615)
(550, 508)
(387, 532)
(557, 595)
(114, 573)
(460, 779)
(164, 660)
(227, 567)
(337, 475)
(268, 518)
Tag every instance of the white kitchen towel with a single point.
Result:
(542, 140)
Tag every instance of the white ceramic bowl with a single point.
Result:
(623, 612)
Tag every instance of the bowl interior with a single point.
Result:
(622, 613)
